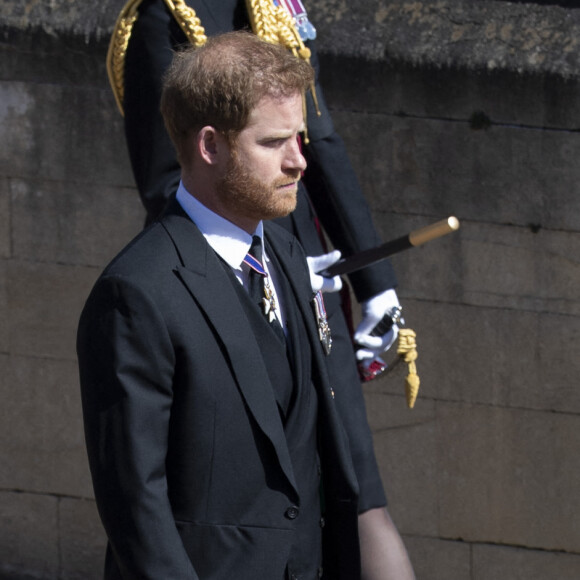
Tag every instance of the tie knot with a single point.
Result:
(256, 248)
(254, 258)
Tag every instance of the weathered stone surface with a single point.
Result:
(3, 307)
(436, 167)
(438, 559)
(451, 95)
(29, 538)
(84, 225)
(488, 265)
(477, 35)
(494, 563)
(4, 219)
(507, 476)
(518, 268)
(459, 33)
(44, 302)
(42, 139)
(32, 55)
(405, 446)
(82, 540)
(41, 432)
(63, 16)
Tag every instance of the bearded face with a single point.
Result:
(248, 196)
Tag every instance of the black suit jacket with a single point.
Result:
(190, 465)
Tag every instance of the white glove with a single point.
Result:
(373, 311)
(318, 263)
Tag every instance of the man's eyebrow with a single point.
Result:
(281, 134)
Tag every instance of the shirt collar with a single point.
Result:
(229, 241)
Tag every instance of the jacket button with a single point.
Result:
(322, 522)
(292, 512)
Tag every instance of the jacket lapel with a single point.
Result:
(202, 273)
(331, 433)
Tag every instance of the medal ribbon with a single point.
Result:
(255, 264)
(298, 12)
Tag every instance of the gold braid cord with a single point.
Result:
(186, 18)
(274, 24)
(407, 350)
(118, 49)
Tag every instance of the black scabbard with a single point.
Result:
(374, 255)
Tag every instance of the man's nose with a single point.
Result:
(294, 158)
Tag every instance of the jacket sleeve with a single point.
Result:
(336, 195)
(126, 365)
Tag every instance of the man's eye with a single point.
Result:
(273, 143)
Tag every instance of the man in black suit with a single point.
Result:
(214, 441)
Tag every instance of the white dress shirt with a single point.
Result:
(229, 241)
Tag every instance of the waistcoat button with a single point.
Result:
(292, 512)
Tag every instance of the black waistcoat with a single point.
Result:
(289, 368)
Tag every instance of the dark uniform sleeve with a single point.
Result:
(335, 192)
(149, 54)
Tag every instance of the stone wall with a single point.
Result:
(448, 108)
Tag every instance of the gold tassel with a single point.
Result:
(407, 350)
(183, 14)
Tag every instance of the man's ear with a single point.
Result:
(212, 146)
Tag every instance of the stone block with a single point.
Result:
(489, 265)
(436, 167)
(43, 140)
(82, 540)
(499, 563)
(508, 476)
(44, 302)
(405, 447)
(41, 430)
(31, 55)
(4, 218)
(86, 227)
(29, 538)
(484, 99)
(435, 559)
(521, 268)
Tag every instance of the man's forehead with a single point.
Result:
(278, 109)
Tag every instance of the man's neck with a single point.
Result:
(207, 195)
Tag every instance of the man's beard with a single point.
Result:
(249, 197)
